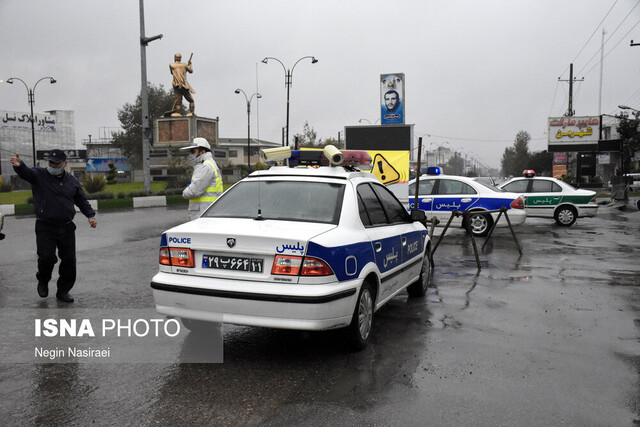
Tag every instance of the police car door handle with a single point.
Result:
(556, 198)
(426, 200)
(467, 200)
(404, 241)
(378, 246)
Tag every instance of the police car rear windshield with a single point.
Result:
(281, 200)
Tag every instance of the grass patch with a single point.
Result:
(176, 199)
(24, 209)
(115, 203)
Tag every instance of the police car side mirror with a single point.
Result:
(418, 215)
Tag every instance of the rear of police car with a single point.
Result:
(248, 261)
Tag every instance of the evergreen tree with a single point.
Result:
(129, 140)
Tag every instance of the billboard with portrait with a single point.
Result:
(392, 99)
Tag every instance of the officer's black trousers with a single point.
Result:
(50, 237)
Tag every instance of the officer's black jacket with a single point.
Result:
(54, 197)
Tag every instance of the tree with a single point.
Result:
(111, 175)
(129, 140)
(541, 162)
(309, 138)
(629, 130)
(455, 165)
(516, 159)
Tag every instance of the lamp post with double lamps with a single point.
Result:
(288, 76)
(32, 100)
(248, 99)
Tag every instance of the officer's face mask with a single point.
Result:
(55, 169)
(193, 158)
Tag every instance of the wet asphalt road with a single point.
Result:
(547, 338)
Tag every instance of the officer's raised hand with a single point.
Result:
(15, 161)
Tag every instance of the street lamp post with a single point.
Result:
(288, 76)
(248, 99)
(31, 99)
(624, 107)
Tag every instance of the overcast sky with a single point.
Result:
(477, 71)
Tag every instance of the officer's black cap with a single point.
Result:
(56, 156)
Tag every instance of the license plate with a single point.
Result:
(251, 265)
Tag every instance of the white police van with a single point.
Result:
(309, 248)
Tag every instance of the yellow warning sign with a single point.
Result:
(390, 167)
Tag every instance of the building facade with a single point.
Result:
(52, 129)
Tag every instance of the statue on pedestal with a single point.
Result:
(181, 88)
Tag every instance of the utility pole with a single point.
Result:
(144, 100)
(570, 112)
(601, 69)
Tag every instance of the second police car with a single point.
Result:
(295, 248)
(439, 195)
(548, 197)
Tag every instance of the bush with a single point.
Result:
(103, 195)
(30, 200)
(122, 195)
(5, 187)
(140, 193)
(93, 183)
(170, 192)
(111, 175)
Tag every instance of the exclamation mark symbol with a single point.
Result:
(382, 177)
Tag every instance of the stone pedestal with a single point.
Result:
(180, 131)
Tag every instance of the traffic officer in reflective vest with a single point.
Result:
(206, 182)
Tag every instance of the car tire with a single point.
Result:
(419, 287)
(565, 216)
(479, 223)
(359, 330)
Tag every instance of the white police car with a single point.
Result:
(295, 248)
(439, 195)
(548, 197)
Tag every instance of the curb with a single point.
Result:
(105, 204)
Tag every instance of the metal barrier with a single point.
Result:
(467, 224)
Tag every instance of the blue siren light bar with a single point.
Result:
(434, 170)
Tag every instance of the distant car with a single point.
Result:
(439, 195)
(547, 197)
(295, 248)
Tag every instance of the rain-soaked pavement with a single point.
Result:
(547, 338)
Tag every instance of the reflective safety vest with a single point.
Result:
(214, 191)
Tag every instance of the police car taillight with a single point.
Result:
(529, 173)
(164, 256)
(178, 257)
(517, 203)
(290, 265)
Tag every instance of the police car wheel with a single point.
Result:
(566, 216)
(419, 287)
(360, 327)
(480, 223)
